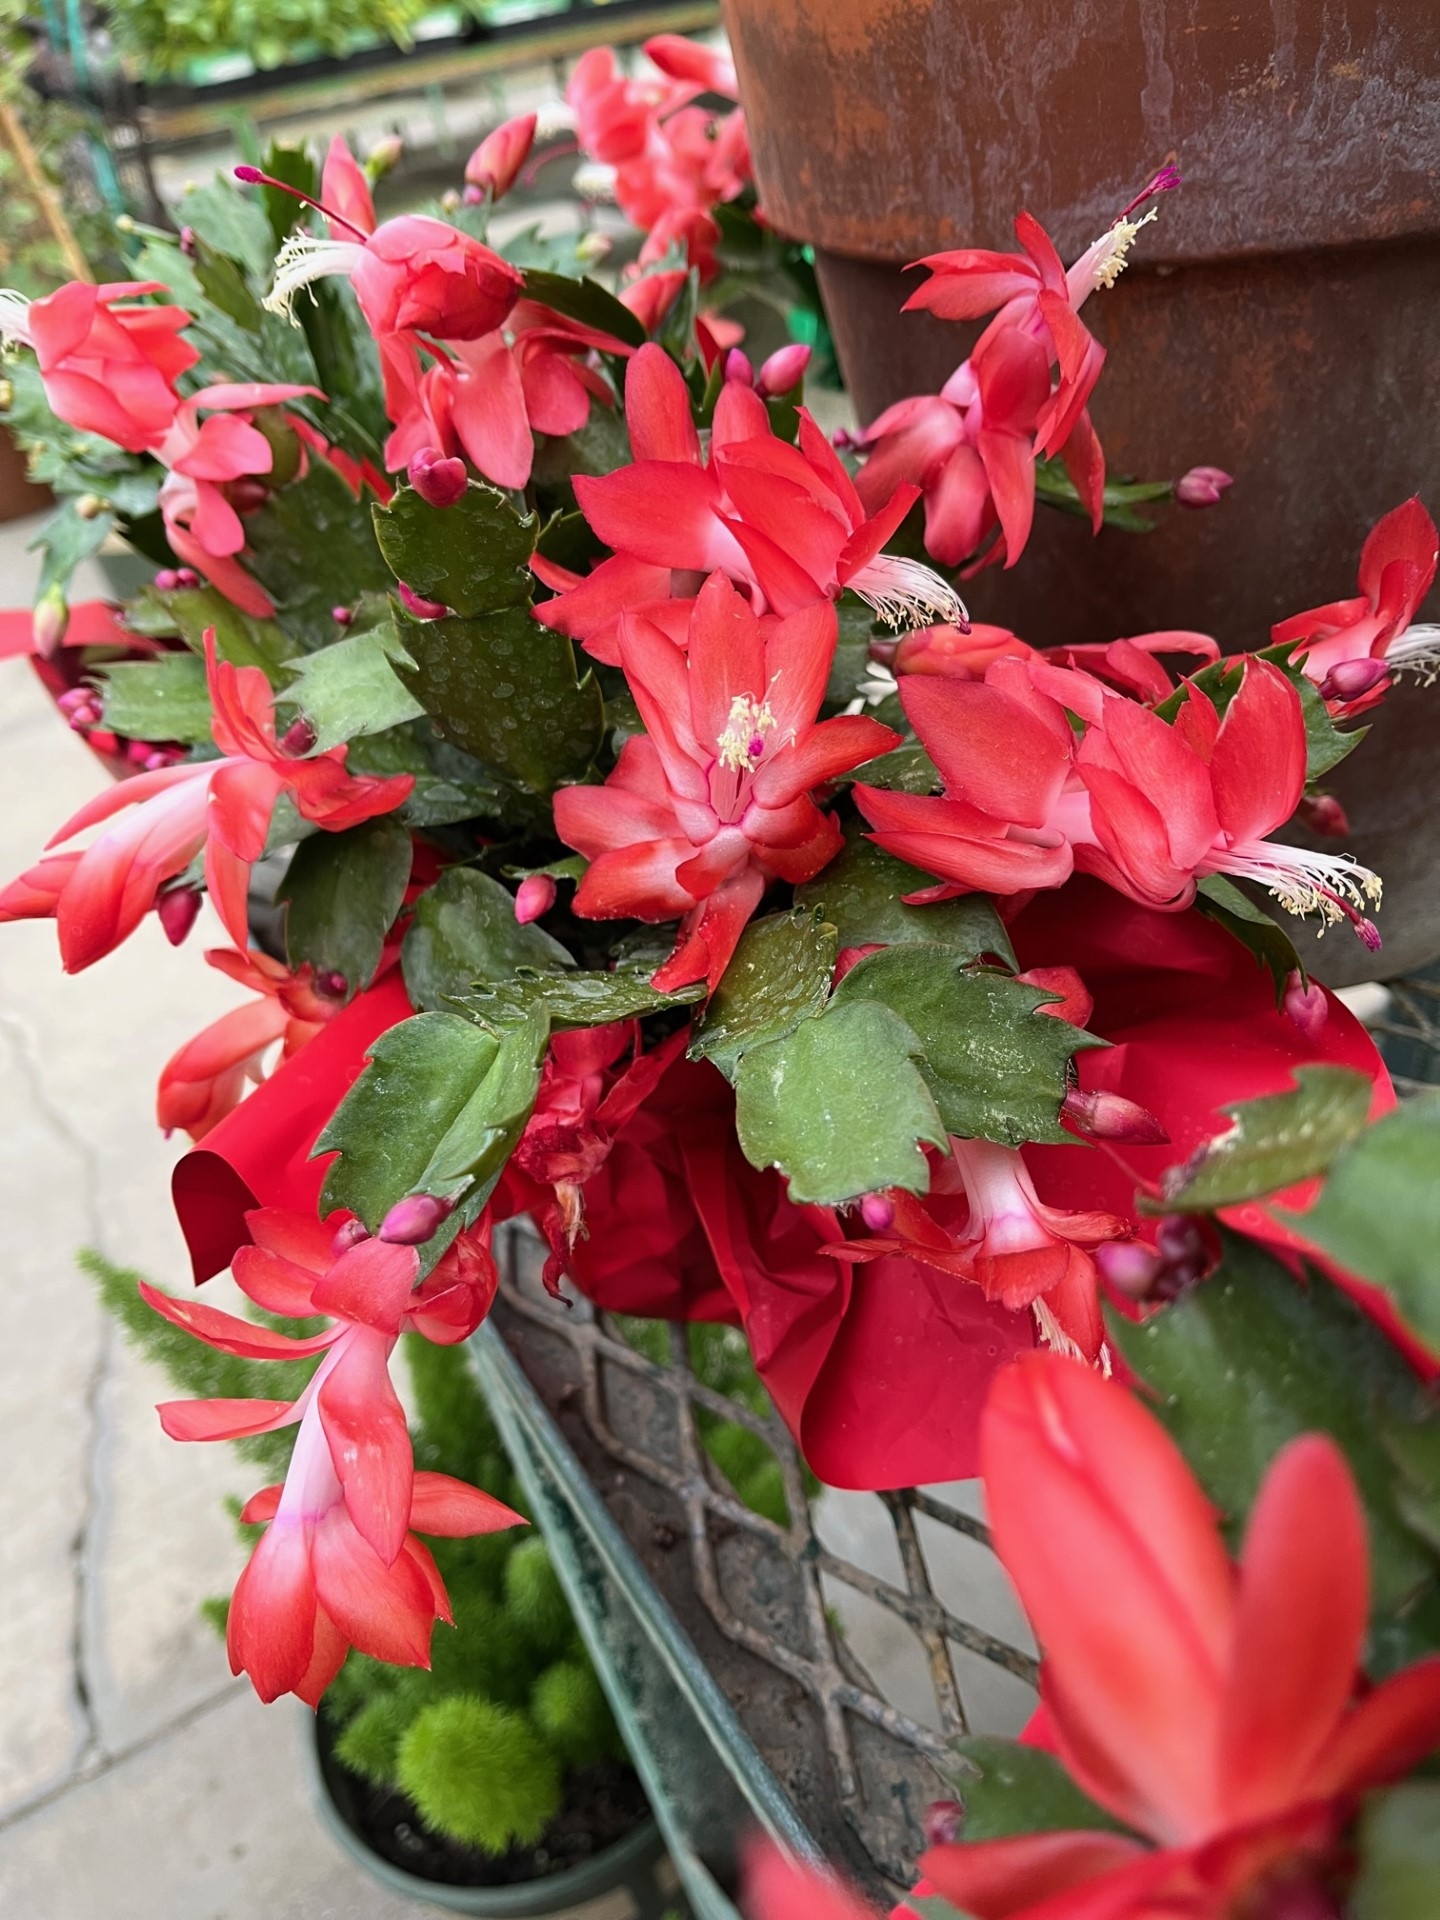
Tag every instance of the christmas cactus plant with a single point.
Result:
(662, 854)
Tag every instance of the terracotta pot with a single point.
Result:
(17, 496)
(1278, 320)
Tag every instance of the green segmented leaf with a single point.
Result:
(778, 976)
(1275, 1141)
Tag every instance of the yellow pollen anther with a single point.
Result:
(1121, 236)
(743, 740)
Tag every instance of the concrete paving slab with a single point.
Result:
(211, 1823)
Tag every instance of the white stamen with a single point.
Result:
(877, 684)
(905, 593)
(1416, 650)
(1117, 243)
(593, 180)
(743, 741)
(1306, 882)
(305, 258)
(14, 318)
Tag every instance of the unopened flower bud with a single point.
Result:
(247, 494)
(1349, 679)
(418, 606)
(1184, 1251)
(348, 1234)
(1306, 1006)
(158, 759)
(941, 1823)
(1322, 813)
(384, 156)
(438, 481)
(877, 1210)
(49, 621)
(1110, 1116)
(342, 616)
(75, 699)
(783, 371)
(187, 242)
(473, 196)
(593, 247)
(299, 737)
(1202, 486)
(167, 580)
(176, 911)
(496, 162)
(449, 200)
(187, 578)
(89, 506)
(138, 752)
(331, 984)
(7, 395)
(413, 1220)
(534, 895)
(1129, 1267)
(738, 368)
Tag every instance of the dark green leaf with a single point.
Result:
(473, 557)
(294, 166)
(232, 222)
(465, 931)
(572, 999)
(439, 795)
(1399, 1875)
(1275, 1141)
(995, 1064)
(505, 689)
(312, 547)
(907, 769)
(600, 446)
(862, 893)
(1379, 1211)
(344, 891)
(1416, 1453)
(1006, 1788)
(243, 641)
(162, 699)
(1251, 1358)
(779, 975)
(586, 301)
(421, 1077)
(839, 1106)
(350, 687)
(67, 538)
(225, 286)
(482, 1136)
(1220, 900)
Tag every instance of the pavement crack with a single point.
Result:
(26, 1055)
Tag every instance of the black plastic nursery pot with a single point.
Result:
(631, 1879)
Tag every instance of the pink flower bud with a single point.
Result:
(384, 156)
(417, 605)
(299, 737)
(49, 621)
(1110, 1116)
(941, 1823)
(1322, 813)
(138, 752)
(500, 155)
(438, 481)
(738, 368)
(176, 911)
(534, 895)
(331, 984)
(877, 1210)
(161, 757)
(74, 699)
(348, 1234)
(413, 1220)
(1306, 1006)
(187, 577)
(784, 370)
(247, 494)
(472, 196)
(187, 242)
(342, 616)
(1184, 1250)
(167, 580)
(1202, 486)
(1348, 679)
(1129, 1267)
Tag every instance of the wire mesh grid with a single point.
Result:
(787, 1592)
(1407, 1030)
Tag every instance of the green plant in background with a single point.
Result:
(45, 236)
(720, 1357)
(483, 1742)
(164, 39)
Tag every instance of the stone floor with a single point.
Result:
(137, 1780)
